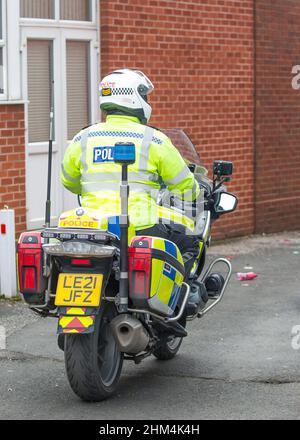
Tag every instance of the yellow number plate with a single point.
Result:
(81, 290)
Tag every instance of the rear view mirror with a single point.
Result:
(222, 168)
(226, 203)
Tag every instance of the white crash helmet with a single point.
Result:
(126, 91)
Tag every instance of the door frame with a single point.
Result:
(59, 35)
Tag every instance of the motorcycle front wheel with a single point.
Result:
(169, 345)
(93, 361)
(168, 348)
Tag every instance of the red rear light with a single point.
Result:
(79, 262)
(139, 283)
(139, 273)
(29, 278)
(28, 260)
(138, 264)
(30, 264)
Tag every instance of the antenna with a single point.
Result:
(124, 155)
(50, 154)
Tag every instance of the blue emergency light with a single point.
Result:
(124, 153)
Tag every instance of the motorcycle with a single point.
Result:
(118, 296)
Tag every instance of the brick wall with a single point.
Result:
(12, 162)
(199, 55)
(277, 161)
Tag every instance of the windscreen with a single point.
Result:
(188, 151)
(183, 144)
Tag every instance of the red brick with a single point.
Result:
(199, 56)
(203, 61)
(277, 158)
(12, 183)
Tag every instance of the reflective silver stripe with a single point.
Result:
(83, 144)
(147, 177)
(145, 148)
(68, 177)
(191, 192)
(100, 186)
(180, 176)
(115, 186)
(196, 185)
(104, 176)
(185, 193)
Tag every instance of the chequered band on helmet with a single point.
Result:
(122, 91)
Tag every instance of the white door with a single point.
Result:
(69, 57)
(80, 104)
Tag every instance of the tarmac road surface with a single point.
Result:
(236, 363)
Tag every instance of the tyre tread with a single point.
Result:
(79, 362)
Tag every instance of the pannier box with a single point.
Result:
(156, 273)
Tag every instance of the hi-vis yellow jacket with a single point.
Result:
(88, 169)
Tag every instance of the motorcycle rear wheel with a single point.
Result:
(93, 361)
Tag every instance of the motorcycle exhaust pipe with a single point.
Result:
(130, 334)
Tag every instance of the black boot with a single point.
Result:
(197, 299)
(214, 284)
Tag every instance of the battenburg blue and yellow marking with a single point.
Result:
(166, 280)
(171, 248)
(169, 272)
(174, 297)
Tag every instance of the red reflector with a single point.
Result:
(78, 262)
(28, 260)
(138, 264)
(3, 229)
(140, 283)
(29, 278)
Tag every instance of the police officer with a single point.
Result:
(88, 167)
